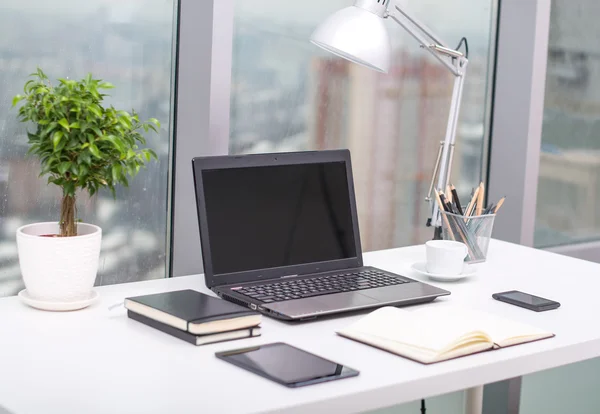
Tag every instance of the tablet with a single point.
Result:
(287, 365)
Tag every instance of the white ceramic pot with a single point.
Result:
(61, 269)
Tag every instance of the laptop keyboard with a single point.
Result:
(318, 286)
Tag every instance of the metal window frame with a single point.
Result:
(203, 77)
(518, 115)
(518, 111)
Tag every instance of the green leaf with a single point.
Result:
(125, 122)
(83, 170)
(74, 125)
(116, 172)
(27, 85)
(56, 139)
(65, 124)
(48, 129)
(32, 149)
(95, 151)
(69, 188)
(61, 145)
(117, 142)
(155, 122)
(17, 99)
(64, 167)
(106, 85)
(95, 109)
(85, 157)
(97, 131)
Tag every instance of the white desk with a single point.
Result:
(99, 361)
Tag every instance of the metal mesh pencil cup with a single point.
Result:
(474, 231)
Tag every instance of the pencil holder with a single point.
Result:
(474, 231)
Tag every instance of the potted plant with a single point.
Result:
(83, 146)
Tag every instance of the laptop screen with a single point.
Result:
(275, 216)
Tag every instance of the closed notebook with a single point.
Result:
(194, 312)
(437, 333)
(196, 339)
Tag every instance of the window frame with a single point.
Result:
(203, 78)
(518, 111)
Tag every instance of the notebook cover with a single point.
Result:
(192, 306)
(188, 337)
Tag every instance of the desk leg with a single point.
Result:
(502, 397)
(474, 400)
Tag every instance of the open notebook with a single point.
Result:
(434, 334)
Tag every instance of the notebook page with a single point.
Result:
(434, 333)
(504, 332)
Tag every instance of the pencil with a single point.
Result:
(472, 203)
(443, 208)
(499, 205)
(456, 200)
(447, 204)
(460, 229)
(490, 209)
(480, 199)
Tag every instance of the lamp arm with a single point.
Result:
(433, 45)
(456, 63)
(445, 161)
(421, 26)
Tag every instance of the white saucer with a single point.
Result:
(421, 268)
(57, 306)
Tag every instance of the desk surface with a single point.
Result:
(99, 361)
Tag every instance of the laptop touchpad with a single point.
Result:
(320, 304)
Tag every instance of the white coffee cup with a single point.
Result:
(445, 257)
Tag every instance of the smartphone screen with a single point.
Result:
(526, 300)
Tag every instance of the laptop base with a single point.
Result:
(309, 308)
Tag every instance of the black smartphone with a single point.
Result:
(287, 365)
(525, 300)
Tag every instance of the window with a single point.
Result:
(569, 178)
(128, 43)
(288, 95)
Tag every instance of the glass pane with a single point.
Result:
(569, 180)
(289, 95)
(128, 44)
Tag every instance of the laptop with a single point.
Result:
(279, 235)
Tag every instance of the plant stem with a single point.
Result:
(68, 227)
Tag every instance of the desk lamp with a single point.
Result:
(358, 34)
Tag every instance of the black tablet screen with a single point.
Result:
(286, 364)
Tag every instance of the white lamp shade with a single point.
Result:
(357, 35)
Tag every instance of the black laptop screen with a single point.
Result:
(275, 216)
